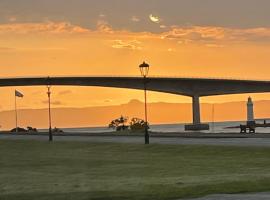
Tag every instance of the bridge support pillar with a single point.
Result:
(196, 110)
(196, 125)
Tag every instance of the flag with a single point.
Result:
(18, 94)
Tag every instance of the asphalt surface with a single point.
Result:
(255, 196)
(153, 140)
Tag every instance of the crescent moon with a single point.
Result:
(154, 19)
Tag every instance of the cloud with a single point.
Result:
(12, 18)
(102, 15)
(38, 92)
(170, 49)
(56, 103)
(251, 34)
(64, 92)
(108, 101)
(132, 45)
(196, 33)
(214, 45)
(182, 35)
(104, 27)
(135, 19)
(46, 27)
(217, 34)
(33, 49)
(7, 49)
(163, 26)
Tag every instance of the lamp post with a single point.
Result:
(144, 68)
(49, 109)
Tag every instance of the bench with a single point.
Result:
(244, 128)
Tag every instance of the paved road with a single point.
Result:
(154, 140)
(255, 196)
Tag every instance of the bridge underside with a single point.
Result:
(192, 87)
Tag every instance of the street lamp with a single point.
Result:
(144, 68)
(49, 109)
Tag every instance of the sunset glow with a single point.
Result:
(102, 43)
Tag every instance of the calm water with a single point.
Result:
(218, 127)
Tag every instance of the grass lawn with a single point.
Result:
(82, 170)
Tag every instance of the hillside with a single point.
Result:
(159, 113)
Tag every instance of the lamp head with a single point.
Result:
(144, 68)
(48, 82)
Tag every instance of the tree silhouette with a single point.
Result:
(137, 124)
(119, 124)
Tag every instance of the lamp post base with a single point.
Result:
(50, 135)
(146, 137)
(197, 127)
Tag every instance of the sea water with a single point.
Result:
(216, 127)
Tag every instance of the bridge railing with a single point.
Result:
(134, 76)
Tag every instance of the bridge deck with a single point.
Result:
(182, 86)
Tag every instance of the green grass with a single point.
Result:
(77, 170)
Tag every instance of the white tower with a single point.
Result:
(250, 112)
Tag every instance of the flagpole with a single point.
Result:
(49, 110)
(16, 114)
(213, 117)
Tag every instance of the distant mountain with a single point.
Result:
(160, 112)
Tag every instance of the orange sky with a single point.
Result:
(59, 48)
(187, 38)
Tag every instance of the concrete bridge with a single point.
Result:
(192, 87)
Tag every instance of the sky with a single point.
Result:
(185, 38)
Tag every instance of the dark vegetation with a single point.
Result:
(135, 124)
